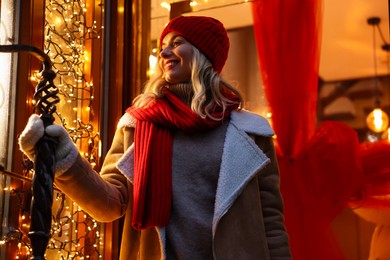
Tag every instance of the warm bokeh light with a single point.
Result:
(152, 64)
(166, 5)
(377, 121)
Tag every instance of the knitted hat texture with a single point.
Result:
(207, 34)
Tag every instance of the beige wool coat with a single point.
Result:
(248, 218)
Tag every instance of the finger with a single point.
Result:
(56, 131)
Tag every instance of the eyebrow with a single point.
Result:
(172, 39)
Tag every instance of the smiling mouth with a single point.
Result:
(170, 65)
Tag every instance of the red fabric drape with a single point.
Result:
(319, 167)
(288, 48)
(375, 160)
(315, 186)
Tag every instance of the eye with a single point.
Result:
(176, 43)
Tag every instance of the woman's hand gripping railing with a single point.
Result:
(44, 161)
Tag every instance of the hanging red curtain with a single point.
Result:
(288, 47)
(375, 193)
(319, 166)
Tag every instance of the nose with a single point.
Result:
(166, 52)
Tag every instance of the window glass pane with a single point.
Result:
(6, 35)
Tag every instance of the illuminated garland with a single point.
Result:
(66, 32)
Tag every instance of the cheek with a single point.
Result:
(187, 65)
(190, 57)
(160, 64)
(186, 53)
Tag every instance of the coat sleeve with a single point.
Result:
(272, 203)
(104, 196)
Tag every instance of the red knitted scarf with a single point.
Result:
(153, 141)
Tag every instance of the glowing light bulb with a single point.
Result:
(165, 5)
(377, 121)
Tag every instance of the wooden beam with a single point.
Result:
(179, 8)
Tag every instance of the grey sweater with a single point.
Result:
(195, 168)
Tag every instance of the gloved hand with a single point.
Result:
(66, 151)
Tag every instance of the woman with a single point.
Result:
(194, 176)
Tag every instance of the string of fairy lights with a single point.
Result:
(74, 234)
(66, 34)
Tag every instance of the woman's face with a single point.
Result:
(175, 58)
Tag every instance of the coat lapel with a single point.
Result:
(238, 168)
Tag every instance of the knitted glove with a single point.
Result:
(30, 136)
(66, 151)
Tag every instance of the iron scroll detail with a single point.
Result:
(44, 162)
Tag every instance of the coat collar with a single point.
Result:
(251, 123)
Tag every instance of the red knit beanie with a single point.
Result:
(207, 34)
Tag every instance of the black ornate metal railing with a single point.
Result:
(44, 162)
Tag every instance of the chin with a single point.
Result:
(175, 81)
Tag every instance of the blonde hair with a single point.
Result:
(208, 87)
